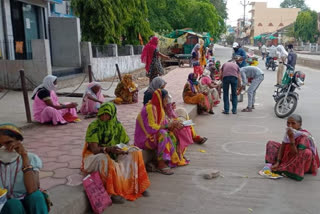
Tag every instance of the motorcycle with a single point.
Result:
(285, 96)
(271, 63)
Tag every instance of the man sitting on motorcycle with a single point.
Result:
(238, 51)
(272, 52)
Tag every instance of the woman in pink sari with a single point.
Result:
(46, 107)
(92, 99)
(297, 154)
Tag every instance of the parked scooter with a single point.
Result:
(285, 95)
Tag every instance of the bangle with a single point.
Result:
(27, 168)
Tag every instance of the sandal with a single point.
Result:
(165, 171)
(204, 139)
(246, 110)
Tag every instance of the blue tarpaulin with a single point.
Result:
(57, 1)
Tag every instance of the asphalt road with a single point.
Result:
(236, 147)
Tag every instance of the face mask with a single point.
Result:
(235, 49)
(7, 157)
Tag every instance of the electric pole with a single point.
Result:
(244, 4)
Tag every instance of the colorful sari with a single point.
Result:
(123, 175)
(126, 91)
(150, 136)
(191, 94)
(89, 106)
(205, 83)
(150, 56)
(295, 165)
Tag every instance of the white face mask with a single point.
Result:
(7, 157)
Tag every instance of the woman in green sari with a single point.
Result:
(121, 166)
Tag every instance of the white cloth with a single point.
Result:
(282, 51)
(48, 83)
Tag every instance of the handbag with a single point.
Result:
(96, 192)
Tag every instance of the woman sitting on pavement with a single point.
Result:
(208, 86)
(19, 171)
(126, 91)
(192, 95)
(297, 154)
(46, 107)
(122, 170)
(157, 83)
(154, 132)
(92, 99)
(187, 135)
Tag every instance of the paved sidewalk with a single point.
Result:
(60, 147)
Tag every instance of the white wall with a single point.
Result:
(103, 68)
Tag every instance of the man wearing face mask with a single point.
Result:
(239, 52)
(19, 172)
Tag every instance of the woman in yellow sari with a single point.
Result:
(121, 167)
(126, 91)
(202, 51)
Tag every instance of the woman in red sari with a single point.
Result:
(297, 154)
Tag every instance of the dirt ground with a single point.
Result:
(139, 77)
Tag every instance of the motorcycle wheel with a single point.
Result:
(282, 109)
(267, 67)
(274, 67)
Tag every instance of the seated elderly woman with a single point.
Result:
(187, 135)
(121, 167)
(92, 99)
(19, 170)
(208, 86)
(297, 154)
(192, 95)
(46, 107)
(154, 132)
(156, 83)
(126, 91)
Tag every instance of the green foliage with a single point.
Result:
(294, 4)
(221, 7)
(230, 39)
(107, 21)
(200, 15)
(306, 26)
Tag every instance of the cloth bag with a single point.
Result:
(96, 192)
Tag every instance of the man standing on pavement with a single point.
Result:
(256, 76)
(239, 52)
(283, 54)
(230, 75)
(263, 51)
(292, 57)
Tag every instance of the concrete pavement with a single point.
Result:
(236, 147)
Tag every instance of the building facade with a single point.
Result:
(267, 20)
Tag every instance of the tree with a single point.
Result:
(221, 7)
(294, 4)
(306, 26)
(200, 15)
(107, 21)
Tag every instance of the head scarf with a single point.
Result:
(98, 95)
(192, 82)
(128, 83)
(107, 133)
(5, 156)
(282, 51)
(196, 49)
(206, 73)
(47, 83)
(169, 109)
(156, 101)
(155, 84)
(148, 51)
